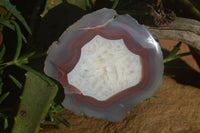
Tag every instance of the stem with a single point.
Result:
(21, 60)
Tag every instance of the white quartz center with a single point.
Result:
(105, 68)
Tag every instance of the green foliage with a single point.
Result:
(19, 40)
(173, 54)
(7, 24)
(17, 83)
(84, 115)
(5, 118)
(52, 114)
(11, 8)
(35, 102)
(3, 97)
(193, 6)
(18, 60)
(115, 4)
(87, 4)
(79, 3)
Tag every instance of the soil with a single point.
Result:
(177, 109)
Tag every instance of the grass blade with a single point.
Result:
(63, 120)
(173, 53)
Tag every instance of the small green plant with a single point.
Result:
(7, 22)
(52, 115)
(19, 60)
(173, 54)
(33, 79)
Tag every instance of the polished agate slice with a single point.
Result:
(106, 63)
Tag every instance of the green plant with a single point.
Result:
(19, 60)
(33, 80)
(173, 54)
(7, 22)
(52, 114)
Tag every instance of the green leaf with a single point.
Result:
(84, 115)
(6, 23)
(27, 55)
(49, 5)
(15, 12)
(50, 113)
(87, 4)
(3, 97)
(17, 83)
(5, 118)
(63, 120)
(35, 103)
(19, 40)
(10, 26)
(25, 58)
(78, 3)
(172, 55)
(57, 108)
(5, 123)
(115, 4)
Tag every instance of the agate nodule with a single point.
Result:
(106, 63)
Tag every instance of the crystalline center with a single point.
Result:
(105, 68)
